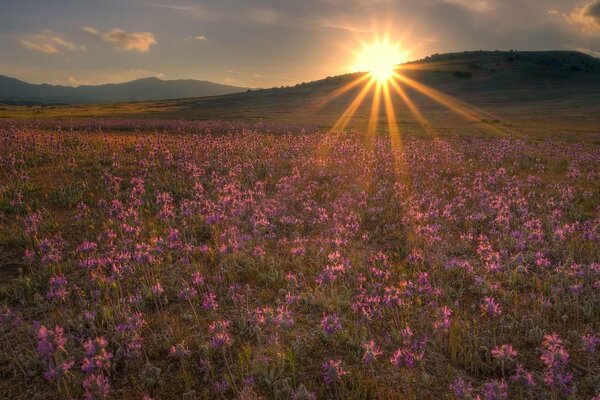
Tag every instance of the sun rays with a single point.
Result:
(386, 80)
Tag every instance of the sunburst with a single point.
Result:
(385, 77)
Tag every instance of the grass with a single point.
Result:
(291, 232)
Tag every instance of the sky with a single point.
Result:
(265, 43)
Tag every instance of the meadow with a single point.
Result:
(226, 260)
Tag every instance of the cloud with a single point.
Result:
(130, 41)
(199, 38)
(587, 17)
(48, 42)
(481, 6)
(592, 11)
(90, 30)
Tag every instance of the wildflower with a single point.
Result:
(333, 371)
(86, 247)
(372, 351)
(32, 223)
(96, 386)
(461, 388)
(444, 320)
(209, 302)
(556, 359)
(188, 293)
(49, 340)
(283, 317)
(220, 334)
(50, 250)
(197, 279)
(298, 250)
(157, 289)
(179, 351)
(491, 307)
(331, 323)
(504, 352)
(58, 288)
(82, 211)
(61, 369)
(97, 358)
(403, 358)
(522, 376)
(495, 390)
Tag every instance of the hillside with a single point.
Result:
(14, 91)
(547, 91)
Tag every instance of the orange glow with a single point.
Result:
(380, 59)
(385, 79)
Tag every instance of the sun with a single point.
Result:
(380, 59)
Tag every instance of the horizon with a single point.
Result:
(230, 42)
(365, 71)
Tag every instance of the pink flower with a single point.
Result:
(333, 371)
(372, 351)
(504, 352)
(491, 307)
(331, 323)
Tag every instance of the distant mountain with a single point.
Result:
(14, 91)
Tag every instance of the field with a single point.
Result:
(219, 259)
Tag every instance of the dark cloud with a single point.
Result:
(593, 11)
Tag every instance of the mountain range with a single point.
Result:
(14, 91)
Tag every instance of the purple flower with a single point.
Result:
(372, 351)
(209, 301)
(97, 358)
(331, 323)
(590, 342)
(403, 358)
(495, 390)
(491, 307)
(220, 334)
(58, 288)
(333, 371)
(96, 387)
(49, 340)
(461, 388)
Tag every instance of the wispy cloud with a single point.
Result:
(197, 38)
(586, 18)
(474, 5)
(48, 42)
(131, 41)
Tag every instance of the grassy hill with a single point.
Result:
(551, 90)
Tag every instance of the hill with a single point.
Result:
(14, 91)
(544, 91)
